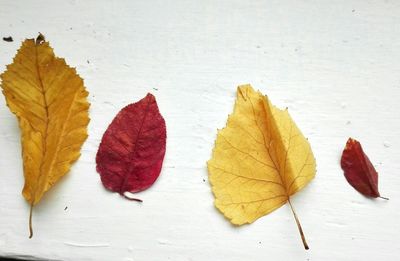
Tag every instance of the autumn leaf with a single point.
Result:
(358, 170)
(259, 161)
(132, 149)
(49, 100)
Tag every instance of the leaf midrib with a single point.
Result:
(47, 121)
(130, 168)
(266, 147)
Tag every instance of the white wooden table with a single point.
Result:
(335, 64)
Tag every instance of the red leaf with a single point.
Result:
(132, 149)
(358, 169)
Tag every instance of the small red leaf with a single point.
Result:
(132, 149)
(358, 169)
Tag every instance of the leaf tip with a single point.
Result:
(150, 96)
(40, 39)
(243, 90)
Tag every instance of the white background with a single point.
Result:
(335, 64)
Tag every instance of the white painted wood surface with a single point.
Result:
(335, 64)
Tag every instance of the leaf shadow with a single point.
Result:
(53, 196)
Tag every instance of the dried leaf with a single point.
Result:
(49, 100)
(132, 150)
(260, 159)
(358, 169)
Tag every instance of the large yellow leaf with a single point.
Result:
(260, 159)
(49, 100)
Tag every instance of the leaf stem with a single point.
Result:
(299, 226)
(383, 198)
(133, 199)
(30, 222)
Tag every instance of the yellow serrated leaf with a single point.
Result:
(49, 100)
(260, 159)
